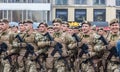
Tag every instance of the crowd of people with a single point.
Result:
(59, 48)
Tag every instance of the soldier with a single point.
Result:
(64, 26)
(45, 47)
(4, 38)
(76, 30)
(50, 30)
(14, 29)
(70, 30)
(21, 27)
(111, 56)
(87, 51)
(24, 44)
(73, 51)
(100, 31)
(29, 38)
(61, 65)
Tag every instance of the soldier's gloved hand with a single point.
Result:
(10, 51)
(22, 45)
(79, 44)
(84, 41)
(58, 40)
(46, 43)
(43, 43)
(15, 44)
(105, 47)
(98, 48)
(74, 45)
(69, 52)
(111, 44)
(53, 43)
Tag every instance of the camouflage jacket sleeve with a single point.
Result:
(42, 41)
(74, 44)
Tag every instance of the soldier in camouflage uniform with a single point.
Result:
(87, 38)
(4, 37)
(25, 63)
(50, 30)
(14, 29)
(71, 52)
(73, 49)
(61, 65)
(44, 48)
(21, 62)
(21, 27)
(113, 60)
(30, 39)
(65, 26)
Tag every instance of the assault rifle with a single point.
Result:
(29, 50)
(3, 48)
(57, 48)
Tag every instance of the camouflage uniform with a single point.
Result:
(44, 49)
(113, 63)
(30, 39)
(65, 39)
(98, 48)
(113, 37)
(73, 48)
(25, 64)
(4, 37)
(85, 67)
(91, 53)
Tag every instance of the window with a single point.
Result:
(5, 13)
(118, 15)
(99, 2)
(21, 15)
(24, 1)
(14, 1)
(62, 13)
(118, 2)
(17, 15)
(39, 16)
(80, 1)
(80, 15)
(39, 1)
(1, 1)
(61, 2)
(1, 14)
(99, 15)
(5, 1)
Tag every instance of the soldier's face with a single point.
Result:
(56, 27)
(51, 31)
(70, 31)
(85, 28)
(64, 27)
(42, 28)
(76, 31)
(22, 27)
(0, 26)
(28, 26)
(14, 29)
(3, 26)
(114, 27)
(100, 32)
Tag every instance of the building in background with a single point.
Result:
(19, 10)
(99, 12)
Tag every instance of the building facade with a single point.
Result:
(92, 10)
(19, 10)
